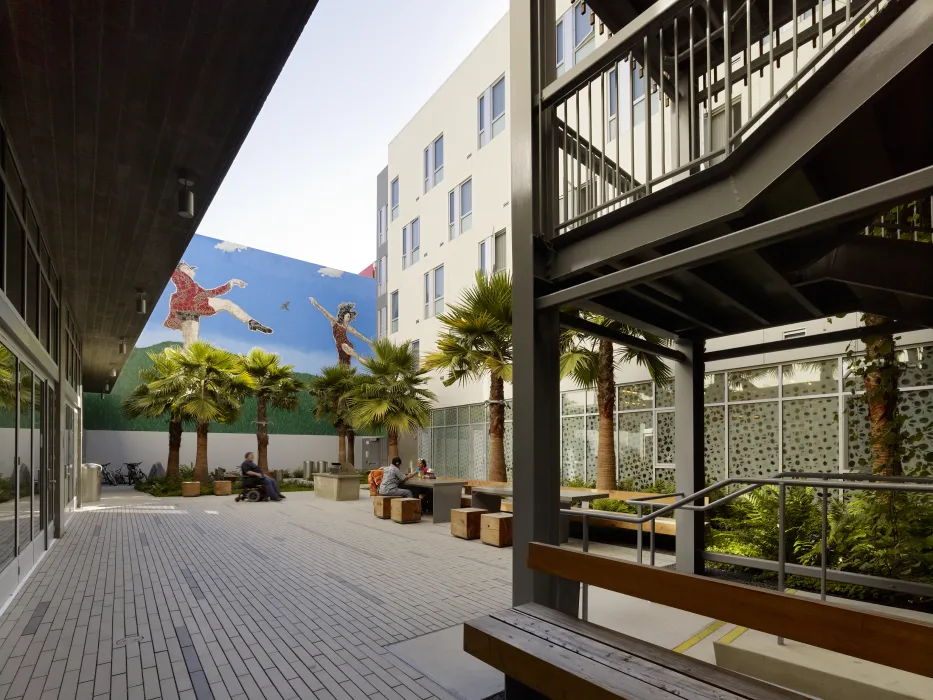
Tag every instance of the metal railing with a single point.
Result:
(824, 483)
(648, 107)
(908, 222)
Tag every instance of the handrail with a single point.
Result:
(823, 482)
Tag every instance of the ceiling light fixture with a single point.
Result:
(185, 198)
(122, 346)
(141, 306)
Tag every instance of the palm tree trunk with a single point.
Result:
(351, 447)
(262, 434)
(200, 458)
(172, 470)
(606, 399)
(341, 443)
(393, 445)
(880, 383)
(497, 429)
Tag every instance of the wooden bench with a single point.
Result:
(548, 654)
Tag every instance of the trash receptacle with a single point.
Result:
(306, 470)
(90, 483)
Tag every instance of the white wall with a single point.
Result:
(223, 449)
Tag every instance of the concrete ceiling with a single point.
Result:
(107, 103)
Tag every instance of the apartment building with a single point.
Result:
(443, 214)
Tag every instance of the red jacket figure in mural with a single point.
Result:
(340, 326)
(190, 301)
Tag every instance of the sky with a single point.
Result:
(304, 182)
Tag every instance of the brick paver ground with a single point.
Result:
(207, 598)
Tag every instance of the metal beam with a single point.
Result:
(837, 211)
(619, 338)
(809, 341)
(616, 315)
(690, 472)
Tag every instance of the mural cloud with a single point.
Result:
(330, 272)
(230, 247)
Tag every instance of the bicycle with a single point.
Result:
(106, 476)
(133, 473)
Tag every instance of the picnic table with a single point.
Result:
(490, 498)
(446, 494)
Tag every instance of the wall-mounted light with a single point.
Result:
(107, 387)
(141, 306)
(113, 371)
(185, 198)
(122, 347)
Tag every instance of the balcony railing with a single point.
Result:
(648, 107)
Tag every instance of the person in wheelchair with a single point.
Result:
(252, 473)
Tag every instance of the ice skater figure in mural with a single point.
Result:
(346, 314)
(190, 301)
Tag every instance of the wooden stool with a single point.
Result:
(382, 506)
(466, 501)
(406, 510)
(496, 529)
(465, 522)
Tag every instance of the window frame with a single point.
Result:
(394, 197)
(393, 312)
(431, 299)
(579, 46)
(453, 221)
(489, 126)
(433, 173)
(468, 216)
(414, 230)
(405, 261)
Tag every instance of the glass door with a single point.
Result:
(24, 487)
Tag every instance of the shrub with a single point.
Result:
(613, 505)
(161, 487)
(298, 473)
(187, 472)
(289, 486)
(579, 483)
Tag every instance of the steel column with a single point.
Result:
(536, 352)
(689, 473)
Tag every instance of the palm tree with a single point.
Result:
(591, 362)
(274, 385)
(331, 390)
(210, 384)
(156, 398)
(476, 342)
(392, 395)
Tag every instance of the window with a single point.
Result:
(411, 243)
(382, 224)
(394, 195)
(434, 292)
(381, 276)
(405, 262)
(499, 253)
(381, 330)
(439, 159)
(481, 121)
(434, 163)
(416, 353)
(394, 308)
(560, 48)
(584, 36)
(15, 260)
(492, 112)
(718, 128)
(613, 105)
(466, 206)
(492, 254)
(452, 214)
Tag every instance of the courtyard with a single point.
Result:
(208, 598)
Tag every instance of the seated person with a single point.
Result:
(392, 480)
(250, 468)
(424, 471)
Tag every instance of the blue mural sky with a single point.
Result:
(301, 334)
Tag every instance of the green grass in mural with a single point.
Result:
(102, 412)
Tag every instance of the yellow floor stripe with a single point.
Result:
(733, 635)
(699, 637)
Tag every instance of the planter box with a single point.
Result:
(337, 487)
(223, 488)
(190, 488)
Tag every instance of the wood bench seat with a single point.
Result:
(560, 656)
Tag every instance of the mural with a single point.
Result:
(255, 304)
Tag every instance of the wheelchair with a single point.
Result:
(252, 489)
